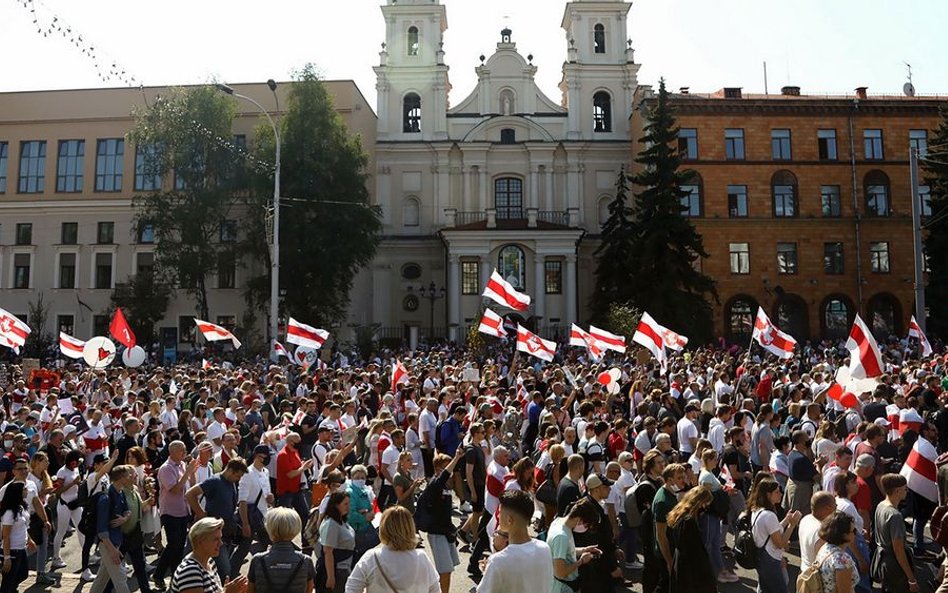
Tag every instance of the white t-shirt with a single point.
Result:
(427, 422)
(519, 568)
(686, 430)
(31, 493)
(844, 505)
(766, 523)
(66, 476)
(390, 459)
(255, 483)
(643, 442)
(809, 535)
(19, 524)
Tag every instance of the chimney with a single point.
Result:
(684, 90)
(861, 92)
(790, 91)
(732, 92)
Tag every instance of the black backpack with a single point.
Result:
(438, 439)
(88, 522)
(745, 550)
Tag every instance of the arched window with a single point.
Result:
(885, 316)
(410, 214)
(413, 41)
(739, 318)
(411, 114)
(511, 264)
(691, 197)
(602, 112)
(508, 198)
(877, 193)
(599, 39)
(792, 316)
(783, 186)
(837, 316)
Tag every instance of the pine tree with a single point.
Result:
(613, 256)
(935, 173)
(664, 279)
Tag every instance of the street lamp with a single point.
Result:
(275, 248)
(432, 294)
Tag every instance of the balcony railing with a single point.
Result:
(529, 217)
(463, 218)
(553, 217)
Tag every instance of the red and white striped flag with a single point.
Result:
(70, 346)
(865, 361)
(215, 333)
(280, 349)
(649, 335)
(13, 332)
(893, 415)
(770, 338)
(501, 292)
(205, 363)
(534, 345)
(492, 324)
(399, 375)
(580, 337)
(607, 340)
(305, 335)
(919, 470)
(916, 332)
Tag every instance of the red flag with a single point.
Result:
(120, 329)
(865, 361)
(399, 375)
(501, 292)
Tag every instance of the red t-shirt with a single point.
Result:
(287, 461)
(616, 445)
(863, 497)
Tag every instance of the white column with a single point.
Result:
(381, 295)
(534, 201)
(539, 290)
(482, 186)
(454, 296)
(466, 189)
(548, 189)
(570, 313)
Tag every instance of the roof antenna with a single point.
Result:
(908, 89)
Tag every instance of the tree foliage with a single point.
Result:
(622, 319)
(614, 261)
(666, 248)
(39, 342)
(144, 299)
(935, 173)
(328, 228)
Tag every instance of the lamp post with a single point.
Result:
(275, 248)
(432, 294)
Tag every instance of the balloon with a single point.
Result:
(843, 375)
(99, 352)
(616, 375)
(604, 378)
(304, 355)
(133, 357)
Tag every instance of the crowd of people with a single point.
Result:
(255, 476)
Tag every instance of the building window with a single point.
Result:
(872, 143)
(21, 270)
(410, 214)
(411, 114)
(411, 272)
(66, 324)
(226, 271)
(786, 258)
(146, 234)
(833, 261)
(508, 198)
(737, 201)
(836, 318)
(599, 39)
(187, 331)
(830, 201)
(826, 143)
(734, 144)
(24, 233)
(105, 233)
(228, 231)
(553, 276)
(602, 112)
(470, 277)
(918, 139)
(100, 325)
(146, 165)
(740, 258)
(511, 265)
(144, 263)
(879, 257)
(925, 200)
(884, 316)
(784, 188)
(69, 233)
(228, 322)
(739, 318)
(691, 200)
(780, 144)
(32, 167)
(4, 163)
(67, 270)
(103, 270)
(877, 193)
(69, 168)
(508, 136)
(413, 41)
(110, 155)
(688, 143)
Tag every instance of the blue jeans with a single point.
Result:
(771, 574)
(710, 526)
(223, 560)
(628, 539)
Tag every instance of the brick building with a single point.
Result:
(803, 202)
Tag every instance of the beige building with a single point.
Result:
(67, 178)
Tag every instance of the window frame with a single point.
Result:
(602, 112)
(880, 260)
(733, 202)
(777, 141)
(226, 271)
(870, 144)
(734, 149)
(72, 285)
(826, 144)
(921, 143)
(788, 258)
(20, 229)
(553, 276)
(826, 194)
(833, 253)
(687, 141)
(509, 210)
(33, 180)
(70, 167)
(101, 234)
(738, 256)
(413, 45)
(97, 268)
(521, 282)
(411, 113)
(4, 165)
(599, 39)
(22, 280)
(470, 277)
(693, 198)
(63, 239)
(103, 160)
(146, 181)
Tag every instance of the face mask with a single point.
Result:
(674, 488)
(7, 444)
(580, 528)
(358, 483)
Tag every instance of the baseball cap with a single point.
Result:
(883, 422)
(260, 450)
(99, 458)
(596, 480)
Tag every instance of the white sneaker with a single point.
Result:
(58, 563)
(466, 507)
(87, 576)
(634, 565)
(128, 570)
(94, 559)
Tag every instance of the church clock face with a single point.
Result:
(410, 303)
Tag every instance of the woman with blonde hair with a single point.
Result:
(197, 573)
(396, 565)
(692, 570)
(281, 568)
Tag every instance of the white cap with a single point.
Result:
(883, 422)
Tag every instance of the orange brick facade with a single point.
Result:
(811, 302)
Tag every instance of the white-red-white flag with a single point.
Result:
(492, 324)
(919, 470)
(534, 345)
(13, 332)
(580, 337)
(770, 338)
(399, 375)
(607, 340)
(501, 292)
(305, 335)
(649, 335)
(205, 363)
(916, 332)
(280, 349)
(865, 361)
(215, 333)
(70, 346)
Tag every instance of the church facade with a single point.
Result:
(507, 178)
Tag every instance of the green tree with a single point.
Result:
(39, 343)
(622, 319)
(144, 299)
(328, 228)
(181, 135)
(614, 261)
(935, 172)
(664, 278)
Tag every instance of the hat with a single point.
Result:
(69, 429)
(596, 480)
(99, 458)
(865, 461)
(625, 456)
(34, 415)
(260, 450)
(883, 422)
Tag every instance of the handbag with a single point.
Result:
(546, 493)
(384, 576)
(254, 515)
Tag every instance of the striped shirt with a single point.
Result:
(191, 575)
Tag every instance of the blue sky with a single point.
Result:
(822, 46)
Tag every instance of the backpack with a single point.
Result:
(82, 496)
(745, 550)
(89, 520)
(811, 580)
(311, 531)
(439, 442)
(633, 516)
(939, 526)
(422, 515)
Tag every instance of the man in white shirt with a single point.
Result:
(169, 418)
(525, 565)
(718, 427)
(722, 388)
(388, 467)
(253, 491)
(823, 505)
(216, 430)
(427, 423)
(688, 430)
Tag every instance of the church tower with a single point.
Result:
(599, 76)
(412, 78)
